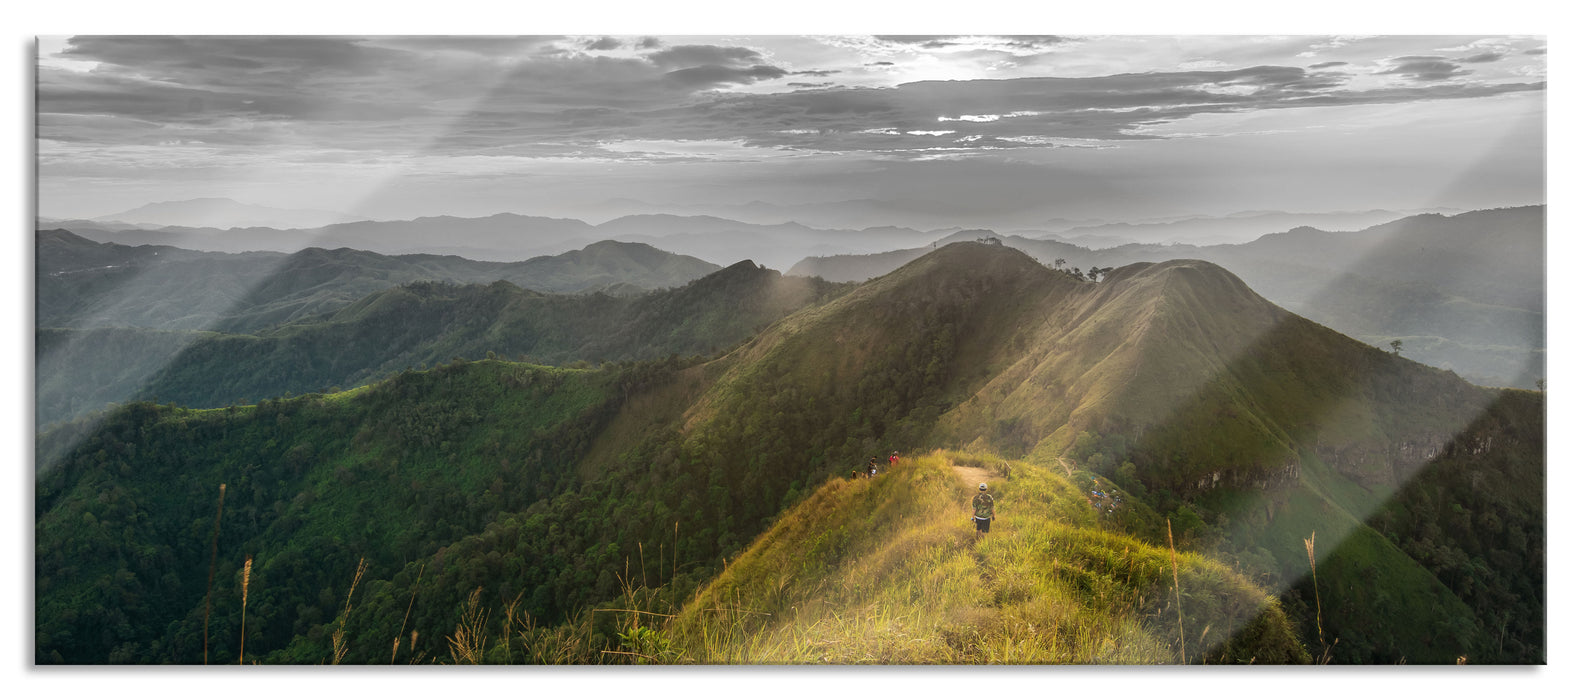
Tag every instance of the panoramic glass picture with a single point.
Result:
(832, 350)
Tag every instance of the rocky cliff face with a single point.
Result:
(1259, 478)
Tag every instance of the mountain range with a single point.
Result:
(1463, 292)
(417, 324)
(84, 284)
(1034, 221)
(1241, 227)
(1472, 303)
(514, 237)
(714, 487)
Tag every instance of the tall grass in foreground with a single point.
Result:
(1318, 607)
(338, 638)
(247, 575)
(887, 571)
(467, 645)
(395, 645)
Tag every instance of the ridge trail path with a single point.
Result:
(972, 476)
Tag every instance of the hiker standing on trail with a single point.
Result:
(982, 509)
(873, 466)
(894, 457)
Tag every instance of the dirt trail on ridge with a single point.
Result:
(972, 476)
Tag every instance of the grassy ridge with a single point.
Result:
(887, 571)
(1473, 283)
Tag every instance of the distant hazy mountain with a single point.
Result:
(499, 238)
(80, 225)
(217, 212)
(85, 284)
(509, 237)
(775, 245)
(851, 214)
(1235, 228)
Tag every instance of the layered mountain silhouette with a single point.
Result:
(417, 324)
(84, 284)
(513, 237)
(1462, 292)
(1236, 428)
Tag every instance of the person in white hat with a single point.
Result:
(982, 509)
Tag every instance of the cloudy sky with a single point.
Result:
(1115, 127)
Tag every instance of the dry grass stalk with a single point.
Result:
(397, 645)
(1318, 607)
(1312, 563)
(510, 614)
(467, 645)
(339, 638)
(247, 576)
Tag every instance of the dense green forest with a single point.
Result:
(388, 475)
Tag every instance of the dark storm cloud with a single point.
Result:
(606, 43)
(1028, 42)
(1424, 68)
(927, 41)
(1488, 57)
(703, 55)
(481, 45)
(816, 73)
(193, 79)
(649, 42)
(109, 93)
(234, 90)
(1035, 41)
(1028, 112)
(201, 58)
(1327, 64)
(882, 63)
(513, 97)
(715, 76)
(1536, 52)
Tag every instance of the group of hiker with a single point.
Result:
(1103, 503)
(873, 466)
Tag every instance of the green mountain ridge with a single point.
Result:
(414, 325)
(1463, 292)
(1205, 404)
